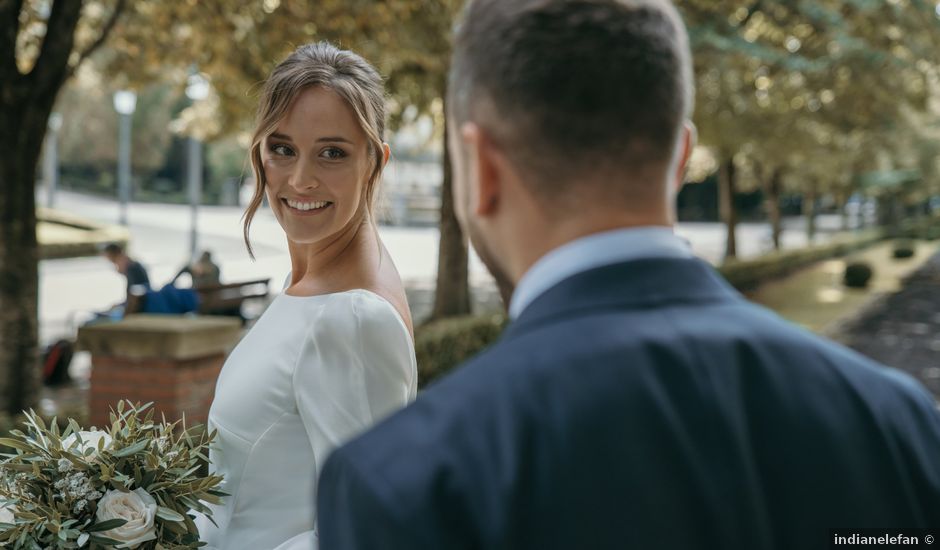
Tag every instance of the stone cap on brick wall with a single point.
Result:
(64, 235)
(161, 336)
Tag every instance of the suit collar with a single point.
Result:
(593, 251)
(633, 284)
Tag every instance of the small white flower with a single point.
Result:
(65, 465)
(6, 513)
(80, 505)
(89, 441)
(138, 508)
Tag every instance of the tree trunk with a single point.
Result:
(19, 254)
(809, 210)
(452, 295)
(772, 191)
(729, 216)
(844, 211)
(25, 104)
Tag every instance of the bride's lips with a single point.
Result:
(310, 212)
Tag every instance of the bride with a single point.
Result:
(334, 352)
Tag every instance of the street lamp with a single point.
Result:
(125, 101)
(50, 166)
(197, 89)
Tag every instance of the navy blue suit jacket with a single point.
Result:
(642, 405)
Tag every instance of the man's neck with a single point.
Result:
(550, 236)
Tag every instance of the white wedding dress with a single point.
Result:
(310, 374)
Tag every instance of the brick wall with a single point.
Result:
(169, 360)
(174, 386)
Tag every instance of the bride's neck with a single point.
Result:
(339, 258)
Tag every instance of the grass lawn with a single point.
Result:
(815, 297)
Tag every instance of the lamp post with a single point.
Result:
(125, 101)
(50, 166)
(197, 89)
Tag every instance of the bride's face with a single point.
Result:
(317, 164)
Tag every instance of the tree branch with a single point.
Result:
(49, 71)
(105, 31)
(9, 29)
(755, 7)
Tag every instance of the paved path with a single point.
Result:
(902, 330)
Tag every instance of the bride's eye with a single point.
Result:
(333, 153)
(281, 150)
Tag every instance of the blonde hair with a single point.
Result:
(342, 71)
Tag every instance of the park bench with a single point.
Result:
(227, 299)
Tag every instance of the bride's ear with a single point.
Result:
(386, 154)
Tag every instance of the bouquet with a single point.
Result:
(132, 486)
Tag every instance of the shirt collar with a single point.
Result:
(597, 250)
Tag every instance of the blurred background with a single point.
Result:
(814, 190)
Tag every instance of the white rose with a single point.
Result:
(89, 441)
(6, 514)
(138, 508)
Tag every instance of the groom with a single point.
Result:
(636, 400)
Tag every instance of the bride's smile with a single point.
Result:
(315, 162)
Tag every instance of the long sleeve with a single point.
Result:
(355, 369)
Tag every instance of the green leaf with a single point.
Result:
(132, 449)
(16, 444)
(169, 515)
(106, 525)
(178, 527)
(105, 541)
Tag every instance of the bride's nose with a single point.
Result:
(304, 177)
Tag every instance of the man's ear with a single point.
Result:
(686, 145)
(487, 167)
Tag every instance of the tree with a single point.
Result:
(41, 45)
(786, 79)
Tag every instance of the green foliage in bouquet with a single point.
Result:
(131, 486)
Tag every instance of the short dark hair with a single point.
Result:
(572, 86)
(113, 249)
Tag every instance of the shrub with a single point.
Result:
(442, 345)
(904, 248)
(933, 232)
(857, 275)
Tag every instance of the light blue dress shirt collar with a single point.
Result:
(597, 250)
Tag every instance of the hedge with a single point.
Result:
(442, 345)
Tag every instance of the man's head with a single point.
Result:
(115, 254)
(566, 117)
